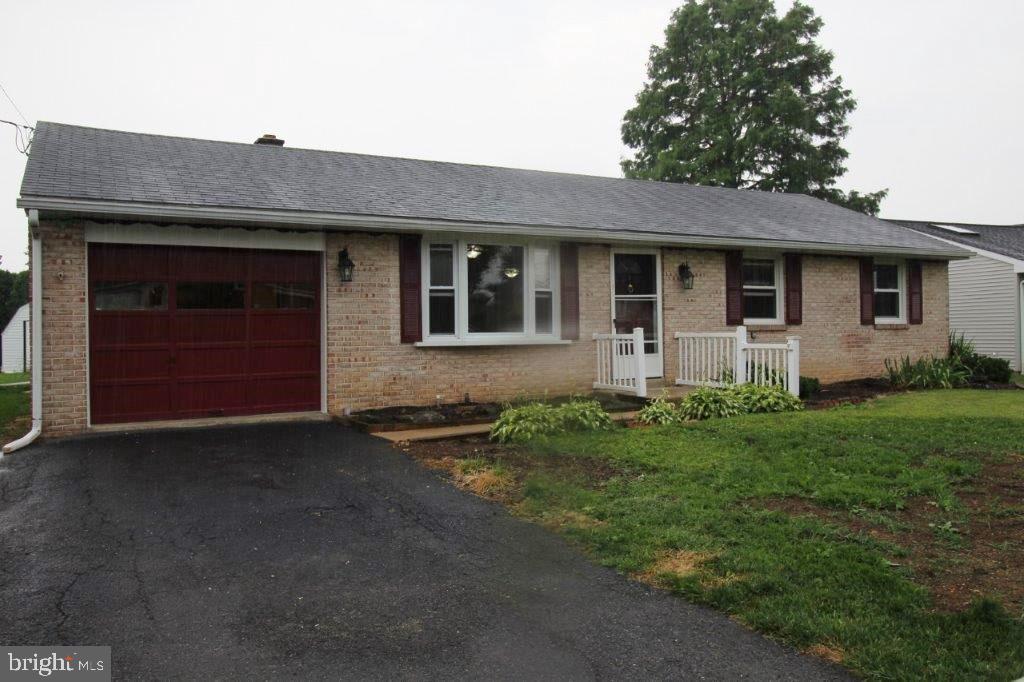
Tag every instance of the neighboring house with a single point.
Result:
(986, 291)
(15, 343)
(188, 278)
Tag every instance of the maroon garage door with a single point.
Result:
(180, 332)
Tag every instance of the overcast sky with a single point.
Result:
(535, 84)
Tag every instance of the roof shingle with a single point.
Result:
(74, 162)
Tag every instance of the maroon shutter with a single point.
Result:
(916, 314)
(733, 287)
(409, 287)
(569, 268)
(794, 289)
(867, 291)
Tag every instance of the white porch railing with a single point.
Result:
(718, 359)
(620, 363)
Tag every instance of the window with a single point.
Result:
(761, 285)
(441, 303)
(210, 295)
(282, 296)
(130, 296)
(487, 291)
(889, 288)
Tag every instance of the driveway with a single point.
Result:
(309, 550)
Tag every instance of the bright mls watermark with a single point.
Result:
(85, 663)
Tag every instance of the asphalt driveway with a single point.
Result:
(312, 551)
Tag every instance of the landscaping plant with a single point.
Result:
(809, 386)
(926, 372)
(709, 403)
(525, 423)
(580, 414)
(659, 411)
(767, 398)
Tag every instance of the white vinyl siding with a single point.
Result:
(15, 340)
(984, 306)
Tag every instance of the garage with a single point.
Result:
(184, 332)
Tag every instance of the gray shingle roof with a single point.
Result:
(74, 162)
(1005, 239)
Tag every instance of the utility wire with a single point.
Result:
(22, 136)
(11, 100)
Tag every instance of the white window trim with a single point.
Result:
(779, 288)
(462, 336)
(901, 278)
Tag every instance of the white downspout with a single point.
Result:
(37, 338)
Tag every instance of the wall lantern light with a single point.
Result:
(345, 265)
(686, 276)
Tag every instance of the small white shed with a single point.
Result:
(15, 344)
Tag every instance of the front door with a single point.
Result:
(636, 301)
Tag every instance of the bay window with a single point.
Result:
(489, 290)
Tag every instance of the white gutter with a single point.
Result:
(37, 339)
(250, 216)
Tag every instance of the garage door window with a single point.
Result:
(130, 296)
(283, 296)
(210, 295)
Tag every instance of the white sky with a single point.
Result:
(527, 83)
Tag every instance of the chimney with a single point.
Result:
(270, 139)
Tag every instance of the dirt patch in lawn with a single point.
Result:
(960, 556)
(474, 463)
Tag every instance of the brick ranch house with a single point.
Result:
(181, 278)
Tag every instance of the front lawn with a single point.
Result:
(886, 536)
(14, 378)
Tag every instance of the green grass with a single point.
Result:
(15, 402)
(14, 378)
(705, 488)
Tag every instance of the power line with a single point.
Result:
(11, 100)
(22, 136)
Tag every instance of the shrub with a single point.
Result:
(767, 398)
(524, 423)
(760, 374)
(927, 372)
(809, 386)
(981, 368)
(986, 368)
(582, 415)
(658, 411)
(708, 403)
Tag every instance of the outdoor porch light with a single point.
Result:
(686, 276)
(473, 250)
(345, 265)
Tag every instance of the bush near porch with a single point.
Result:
(885, 536)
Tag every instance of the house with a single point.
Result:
(181, 278)
(986, 291)
(14, 346)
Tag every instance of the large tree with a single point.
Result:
(741, 97)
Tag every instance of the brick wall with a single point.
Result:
(368, 367)
(834, 346)
(65, 341)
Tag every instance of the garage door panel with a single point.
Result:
(131, 363)
(285, 358)
(126, 402)
(286, 393)
(206, 328)
(285, 326)
(206, 361)
(108, 329)
(213, 265)
(211, 396)
(180, 332)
